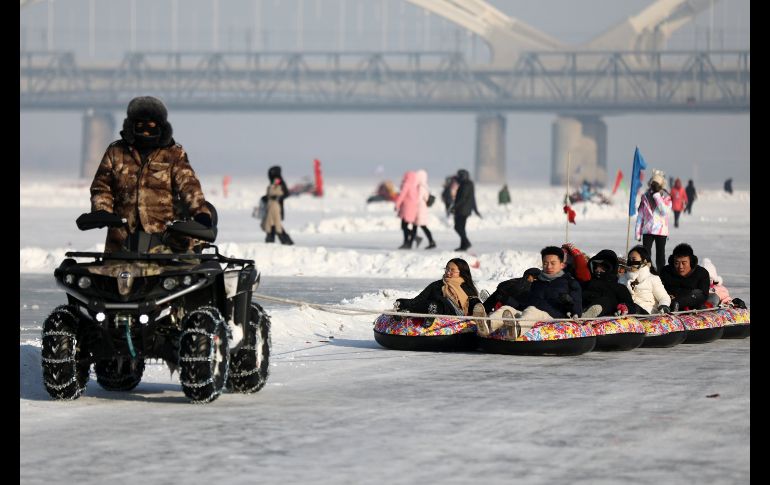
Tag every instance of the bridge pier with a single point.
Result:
(585, 137)
(98, 132)
(490, 148)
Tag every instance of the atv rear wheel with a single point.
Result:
(119, 374)
(65, 364)
(250, 366)
(204, 355)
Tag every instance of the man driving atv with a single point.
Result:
(142, 175)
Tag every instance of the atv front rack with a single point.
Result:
(127, 256)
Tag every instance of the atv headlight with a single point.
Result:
(69, 279)
(187, 280)
(169, 284)
(84, 282)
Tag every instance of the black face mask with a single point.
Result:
(150, 140)
(143, 126)
(600, 275)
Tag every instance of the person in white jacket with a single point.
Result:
(646, 288)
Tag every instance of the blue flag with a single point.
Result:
(636, 181)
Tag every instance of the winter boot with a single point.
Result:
(285, 239)
(592, 312)
(481, 324)
(270, 238)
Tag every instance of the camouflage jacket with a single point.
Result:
(144, 192)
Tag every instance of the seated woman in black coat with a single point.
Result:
(454, 294)
(511, 292)
(602, 294)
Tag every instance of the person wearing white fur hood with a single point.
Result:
(646, 288)
(718, 294)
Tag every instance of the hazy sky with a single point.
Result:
(708, 148)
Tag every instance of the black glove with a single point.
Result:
(664, 309)
(203, 218)
(566, 299)
(738, 303)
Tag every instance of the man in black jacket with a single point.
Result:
(464, 204)
(686, 282)
(512, 292)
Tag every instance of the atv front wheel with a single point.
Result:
(65, 365)
(119, 373)
(250, 366)
(204, 355)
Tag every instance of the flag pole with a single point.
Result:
(628, 235)
(567, 201)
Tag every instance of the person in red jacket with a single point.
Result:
(678, 200)
(577, 262)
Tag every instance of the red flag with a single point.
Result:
(319, 181)
(225, 183)
(570, 213)
(618, 179)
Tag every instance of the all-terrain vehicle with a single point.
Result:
(193, 310)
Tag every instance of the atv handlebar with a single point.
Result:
(102, 218)
(192, 229)
(99, 219)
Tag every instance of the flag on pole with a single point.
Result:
(618, 179)
(636, 181)
(570, 213)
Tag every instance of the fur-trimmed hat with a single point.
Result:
(715, 278)
(658, 176)
(147, 108)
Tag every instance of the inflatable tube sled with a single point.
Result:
(622, 333)
(443, 335)
(544, 338)
(736, 322)
(702, 327)
(663, 330)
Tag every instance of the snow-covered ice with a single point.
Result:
(340, 409)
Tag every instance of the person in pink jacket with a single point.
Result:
(408, 205)
(422, 210)
(718, 293)
(652, 218)
(678, 200)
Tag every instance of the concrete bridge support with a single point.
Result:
(490, 148)
(585, 137)
(98, 133)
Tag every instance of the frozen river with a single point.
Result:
(340, 409)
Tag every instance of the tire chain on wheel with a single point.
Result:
(60, 334)
(248, 374)
(206, 390)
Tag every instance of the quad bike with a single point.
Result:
(193, 310)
